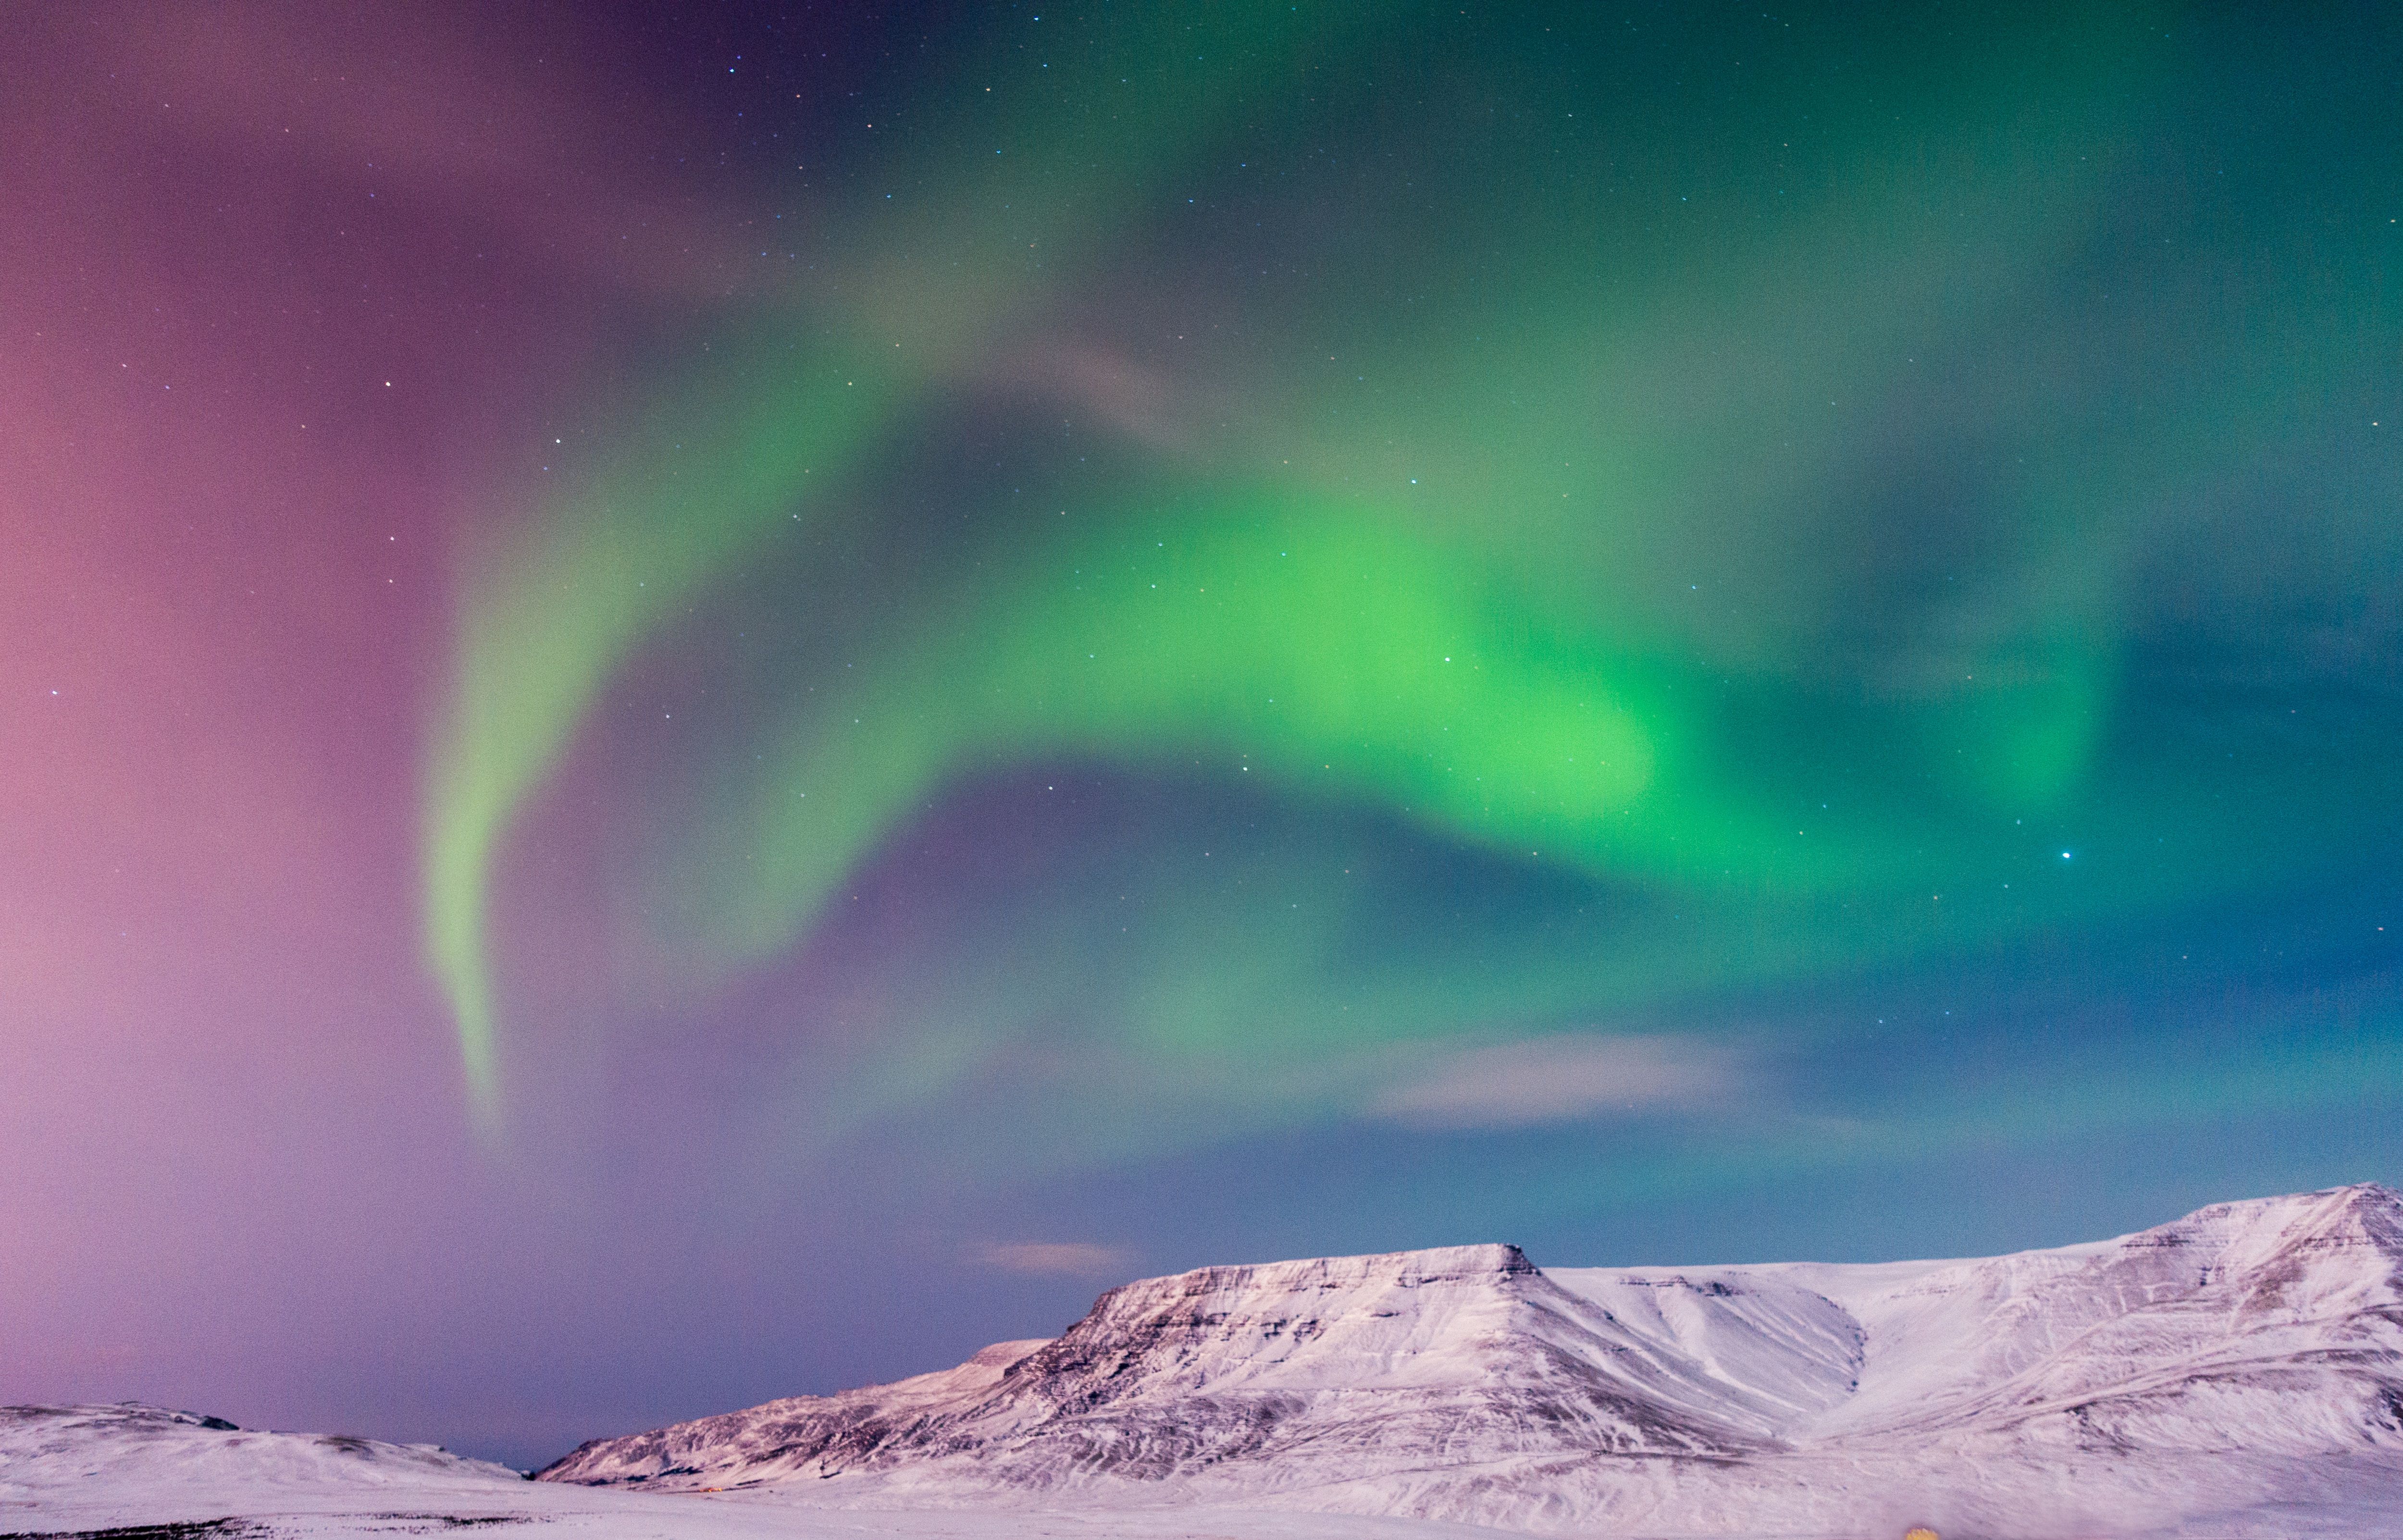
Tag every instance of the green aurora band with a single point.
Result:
(1438, 574)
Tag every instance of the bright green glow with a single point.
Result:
(1307, 645)
(1344, 659)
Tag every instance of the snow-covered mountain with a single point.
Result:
(2238, 1373)
(2244, 1360)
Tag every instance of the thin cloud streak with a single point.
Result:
(1560, 1079)
(1057, 1259)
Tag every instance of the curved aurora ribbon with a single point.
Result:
(544, 625)
(1458, 658)
(546, 619)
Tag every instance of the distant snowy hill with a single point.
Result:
(92, 1470)
(2240, 1370)
(132, 1446)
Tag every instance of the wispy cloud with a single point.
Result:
(1062, 1258)
(1555, 1079)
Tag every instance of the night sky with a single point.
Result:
(704, 702)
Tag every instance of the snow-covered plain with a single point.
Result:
(2236, 1373)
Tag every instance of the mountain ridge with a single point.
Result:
(1466, 1382)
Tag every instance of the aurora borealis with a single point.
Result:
(1153, 634)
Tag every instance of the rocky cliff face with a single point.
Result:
(1466, 1383)
(1356, 1361)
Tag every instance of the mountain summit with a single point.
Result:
(2247, 1351)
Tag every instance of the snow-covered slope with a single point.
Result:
(2274, 1324)
(87, 1468)
(1347, 1362)
(2243, 1360)
(132, 1472)
(131, 1445)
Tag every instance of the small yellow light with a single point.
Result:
(1922, 1533)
